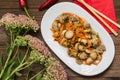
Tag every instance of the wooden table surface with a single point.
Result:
(112, 73)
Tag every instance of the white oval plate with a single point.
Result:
(61, 52)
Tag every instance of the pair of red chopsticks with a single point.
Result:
(100, 16)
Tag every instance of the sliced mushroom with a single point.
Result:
(89, 61)
(74, 19)
(76, 46)
(81, 48)
(69, 34)
(56, 25)
(95, 41)
(82, 55)
(86, 24)
(79, 61)
(100, 49)
(99, 57)
(63, 18)
(89, 51)
(93, 55)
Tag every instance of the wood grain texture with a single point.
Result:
(112, 73)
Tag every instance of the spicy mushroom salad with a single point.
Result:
(76, 34)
